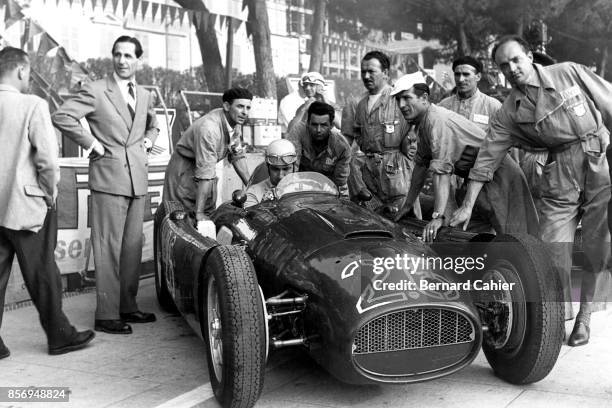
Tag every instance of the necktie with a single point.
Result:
(131, 100)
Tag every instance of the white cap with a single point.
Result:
(407, 81)
(312, 78)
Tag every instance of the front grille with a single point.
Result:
(413, 328)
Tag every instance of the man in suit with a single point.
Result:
(28, 189)
(123, 128)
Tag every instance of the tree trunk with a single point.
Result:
(258, 21)
(463, 44)
(316, 33)
(211, 56)
(604, 61)
(520, 26)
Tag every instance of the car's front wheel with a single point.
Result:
(524, 323)
(233, 327)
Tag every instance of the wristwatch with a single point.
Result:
(436, 215)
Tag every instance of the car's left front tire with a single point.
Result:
(525, 324)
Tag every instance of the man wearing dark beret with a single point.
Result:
(469, 102)
(191, 177)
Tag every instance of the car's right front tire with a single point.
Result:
(233, 327)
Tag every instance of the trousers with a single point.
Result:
(116, 238)
(575, 187)
(36, 258)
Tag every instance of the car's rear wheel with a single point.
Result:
(233, 327)
(524, 323)
(164, 297)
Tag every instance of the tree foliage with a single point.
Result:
(583, 33)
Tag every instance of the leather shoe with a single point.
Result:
(580, 335)
(113, 327)
(80, 340)
(4, 351)
(138, 317)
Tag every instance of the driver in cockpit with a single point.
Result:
(280, 158)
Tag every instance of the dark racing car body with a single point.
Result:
(367, 299)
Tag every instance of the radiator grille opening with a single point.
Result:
(413, 328)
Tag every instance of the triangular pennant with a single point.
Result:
(144, 8)
(46, 44)
(115, 4)
(35, 29)
(125, 3)
(236, 24)
(172, 14)
(104, 4)
(181, 15)
(135, 4)
(57, 3)
(154, 9)
(198, 19)
(12, 14)
(12, 8)
(70, 2)
(93, 4)
(222, 21)
(164, 12)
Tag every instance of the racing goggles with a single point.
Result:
(282, 160)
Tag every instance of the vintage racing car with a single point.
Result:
(365, 296)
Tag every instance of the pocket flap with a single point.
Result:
(34, 191)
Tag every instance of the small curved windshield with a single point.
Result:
(305, 181)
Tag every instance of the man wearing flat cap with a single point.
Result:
(469, 102)
(448, 144)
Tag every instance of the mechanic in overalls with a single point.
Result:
(565, 109)
(193, 172)
(320, 147)
(384, 137)
(447, 146)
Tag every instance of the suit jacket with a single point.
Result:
(28, 160)
(123, 168)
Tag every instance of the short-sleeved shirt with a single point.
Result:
(479, 108)
(208, 141)
(256, 192)
(442, 137)
(287, 108)
(570, 102)
(333, 162)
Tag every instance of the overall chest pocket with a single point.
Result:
(577, 112)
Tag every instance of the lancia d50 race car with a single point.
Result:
(367, 299)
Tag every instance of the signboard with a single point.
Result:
(73, 250)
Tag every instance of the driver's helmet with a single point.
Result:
(281, 152)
